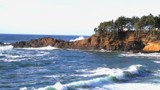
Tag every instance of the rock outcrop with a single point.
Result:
(1, 44)
(153, 46)
(125, 42)
(42, 42)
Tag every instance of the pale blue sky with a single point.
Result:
(67, 17)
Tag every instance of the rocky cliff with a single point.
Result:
(126, 41)
(153, 46)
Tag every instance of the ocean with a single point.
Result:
(50, 68)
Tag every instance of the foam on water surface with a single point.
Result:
(131, 86)
(41, 48)
(133, 69)
(124, 86)
(111, 77)
(8, 47)
(20, 55)
(79, 38)
(141, 55)
(157, 62)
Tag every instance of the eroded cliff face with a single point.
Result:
(125, 42)
(153, 46)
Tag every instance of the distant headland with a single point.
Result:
(123, 34)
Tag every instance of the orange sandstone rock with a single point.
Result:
(152, 47)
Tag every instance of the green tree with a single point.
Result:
(134, 22)
(150, 21)
(120, 23)
(157, 21)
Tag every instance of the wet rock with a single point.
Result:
(20, 44)
(1, 44)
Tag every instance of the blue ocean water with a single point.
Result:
(50, 68)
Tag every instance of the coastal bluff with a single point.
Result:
(126, 41)
(135, 34)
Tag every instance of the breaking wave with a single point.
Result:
(110, 76)
(130, 86)
(41, 48)
(116, 73)
(141, 55)
(79, 38)
(7, 47)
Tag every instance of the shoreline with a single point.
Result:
(95, 43)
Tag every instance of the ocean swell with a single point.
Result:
(111, 76)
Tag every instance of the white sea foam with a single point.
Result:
(102, 50)
(134, 69)
(14, 59)
(131, 86)
(118, 73)
(13, 56)
(23, 88)
(79, 38)
(7, 43)
(124, 86)
(57, 86)
(111, 76)
(157, 62)
(10, 60)
(42, 53)
(97, 72)
(20, 56)
(8, 47)
(41, 48)
(141, 55)
(54, 76)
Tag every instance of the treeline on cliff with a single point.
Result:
(148, 25)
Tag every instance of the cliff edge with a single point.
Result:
(126, 41)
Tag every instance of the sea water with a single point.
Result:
(50, 68)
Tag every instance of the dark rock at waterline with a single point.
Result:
(1, 44)
(41, 42)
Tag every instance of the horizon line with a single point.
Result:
(42, 34)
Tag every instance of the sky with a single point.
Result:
(67, 17)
